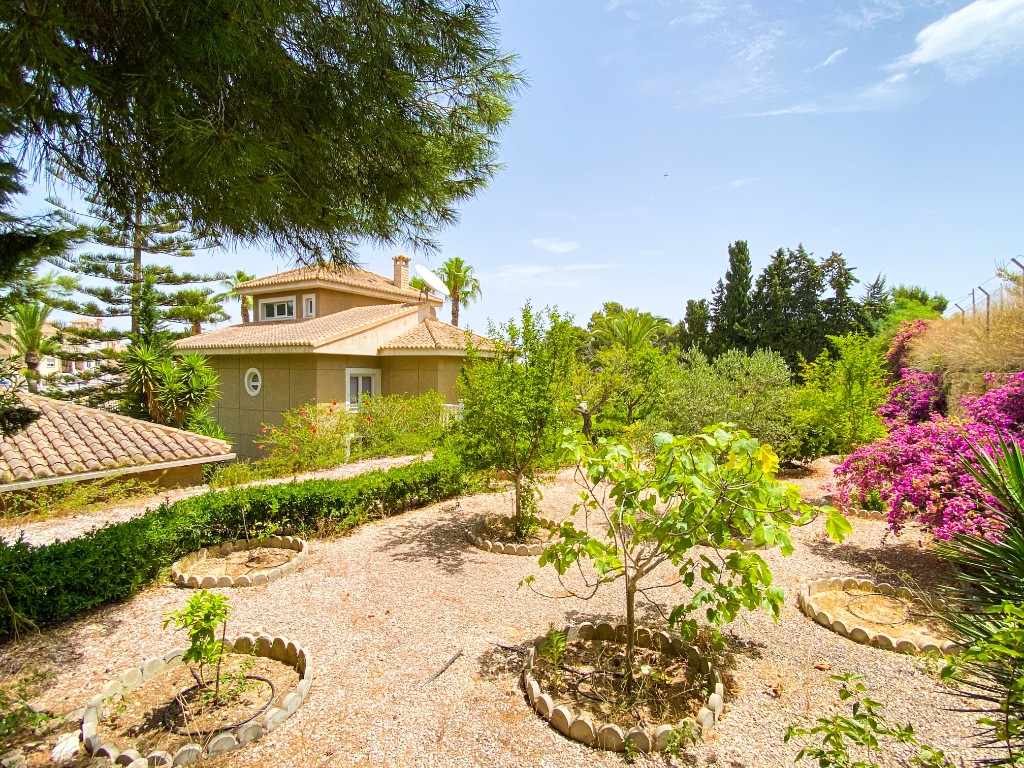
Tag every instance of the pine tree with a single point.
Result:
(693, 330)
(150, 233)
(841, 312)
(308, 125)
(877, 299)
(730, 306)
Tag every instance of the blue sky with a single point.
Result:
(654, 132)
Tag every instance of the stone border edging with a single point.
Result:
(276, 648)
(609, 736)
(503, 548)
(805, 600)
(184, 578)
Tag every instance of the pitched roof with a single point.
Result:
(432, 334)
(68, 440)
(352, 277)
(295, 333)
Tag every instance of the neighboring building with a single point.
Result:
(109, 347)
(70, 442)
(325, 334)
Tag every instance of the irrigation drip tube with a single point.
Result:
(180, 701)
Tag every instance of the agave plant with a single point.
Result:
(987, 604)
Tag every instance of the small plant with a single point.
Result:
(310, 437)
(202, 615)
(829, 742)
(72, 497)
(552, 650)
(16, 712)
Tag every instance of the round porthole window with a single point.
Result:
(253, 381)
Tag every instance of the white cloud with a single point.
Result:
(737, 183)
(833, 57)
(891, 93)
(519, 276)
(553, 245)
(967, 42)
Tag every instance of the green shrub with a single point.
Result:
(310, 437)
(393, 425)
(63, 579)
(752, 391)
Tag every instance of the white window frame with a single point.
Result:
(308, 305)
(277, 300)
(374, 373)
(247, 382)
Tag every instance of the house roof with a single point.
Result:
(296, 333)
(351, 277)
(433, 335)
(68, 440)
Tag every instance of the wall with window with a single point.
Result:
(416, 374)
(295, 305)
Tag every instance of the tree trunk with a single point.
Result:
(197, 328)
(455, 308)
(588, 423)
(630, 634)
(245, 310)
(136, 266)
(32, 360)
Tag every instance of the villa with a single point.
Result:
(329, 334)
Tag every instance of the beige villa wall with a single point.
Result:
(291, 380)
(416, 374)
(327, 301)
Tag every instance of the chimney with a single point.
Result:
(402, 271)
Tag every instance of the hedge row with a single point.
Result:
(63, 579)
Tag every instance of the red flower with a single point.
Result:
(294, 449)
(314, 429)
(334, 402)
(368, 418)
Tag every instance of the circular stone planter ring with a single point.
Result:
(507, 548)
(276, 648)
(808, 599)
(610, 736)
(189, 570)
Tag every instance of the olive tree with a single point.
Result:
(516, 403)
(717, 487)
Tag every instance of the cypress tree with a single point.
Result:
(730, 305)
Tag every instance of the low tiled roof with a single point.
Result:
(295, 333)
(68, 439)
(432, 334)
(353, 277)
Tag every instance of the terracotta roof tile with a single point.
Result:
(69, 439)
(352, 277)
(432, 334)
(295, 333)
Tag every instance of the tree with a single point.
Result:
(195, 306)
(244, 301)
(463, 286)
(308, 125)
(30, 338)
(841, 313)
(516, 404)
(172, 389)
(718, 486)
(630, 328)
(730, 305)
(148, 233)
(877, 299)
(694, 330)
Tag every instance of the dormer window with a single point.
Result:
(277, 309)
(308, 306)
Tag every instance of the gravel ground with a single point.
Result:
(72, 526)
(384, 608)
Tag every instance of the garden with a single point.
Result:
(705, 560)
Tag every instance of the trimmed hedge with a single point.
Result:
(63, 579)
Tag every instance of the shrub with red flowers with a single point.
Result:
(1002, 406)
(896, 357)
(310, 437)
(915, 399)
(917, 472)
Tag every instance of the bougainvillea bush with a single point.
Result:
(1002, 406)
(917, 471)
(900, 347)
(914, 399)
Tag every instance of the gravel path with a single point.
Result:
(384, 608)
(72, 526)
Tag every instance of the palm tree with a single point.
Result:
(631, 328)
(195, 306)
(30, 340)
(464, 287)
(241, 276)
